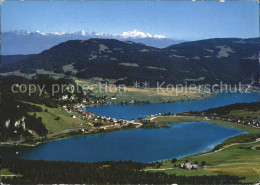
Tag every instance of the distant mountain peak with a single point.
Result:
(32, 42)
(126, 34)
(139, 34)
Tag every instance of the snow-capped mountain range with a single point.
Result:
(26, 42)
(125, 35)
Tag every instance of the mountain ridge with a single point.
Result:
(207, 61)
(24, 42)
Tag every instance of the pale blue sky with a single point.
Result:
(181, 19)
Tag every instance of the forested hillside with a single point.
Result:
(49, 172)
(205, 61)
(15, 122)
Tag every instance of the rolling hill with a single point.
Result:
(25, 42)
(230, 60)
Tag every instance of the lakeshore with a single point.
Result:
(183, 139)
(71, 120)
(228, 146)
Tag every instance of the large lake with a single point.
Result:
(144, 145)
(134, 111)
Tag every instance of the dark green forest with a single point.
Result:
(238, 106)
(51, 172)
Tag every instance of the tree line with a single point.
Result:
(121, 172)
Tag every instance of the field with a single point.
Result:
(152, 95)
(165, 120)
(242, 113)
(5, 171)
(64, 122)
(237, 159)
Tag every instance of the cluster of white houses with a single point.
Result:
(189, 166)
(90, 116)
(252, 123)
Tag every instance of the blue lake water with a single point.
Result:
(144, 145)
(134, 111)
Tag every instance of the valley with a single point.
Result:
(96, 114)
(130, 92)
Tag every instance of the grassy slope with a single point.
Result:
(65, 121)
(7, 173)
(238, 159)
(165, 120)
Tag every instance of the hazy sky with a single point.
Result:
(181, 20)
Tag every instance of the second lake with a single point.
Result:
(143, 145)
(134, 111)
